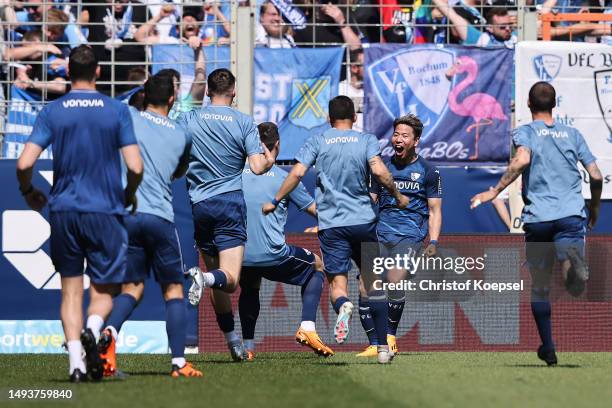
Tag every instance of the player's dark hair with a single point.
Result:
(340, 108)
(268, 133)
(82, 64)
(542, 97)
(158, 90)
(410, 120)
(221, 82)
(172, 73)
(495, 11)
(137, 100)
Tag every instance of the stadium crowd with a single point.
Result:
(38, 35)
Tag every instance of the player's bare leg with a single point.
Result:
(71, 312)
(223, 273)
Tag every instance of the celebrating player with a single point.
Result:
(268, 256)
(153, 240)
(555, 218)
(343, 159)
(222, 139)
(402, 231)
(86, 130)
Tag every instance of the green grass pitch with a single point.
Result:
(442, 379)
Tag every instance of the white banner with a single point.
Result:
(582, 76)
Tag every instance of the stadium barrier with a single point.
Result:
(474, 321)
(597, 20)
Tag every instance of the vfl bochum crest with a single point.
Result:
(413, 81)
(603, 89)
(309, 99)
(547, 66)
(415, 176)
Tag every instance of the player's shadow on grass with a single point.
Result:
(543, 366)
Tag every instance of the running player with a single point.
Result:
(555, 218)
(87, 131)
(222, 139)
(153, 240)
(402, 231)
(268, 256)
(343, 159)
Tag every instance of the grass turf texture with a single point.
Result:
(302, 379)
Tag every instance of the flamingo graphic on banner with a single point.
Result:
(461, 94)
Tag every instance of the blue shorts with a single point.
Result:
(547, 239)
(101, 239)
(404, 246)
(295, 269)
(220, 222)
(153, 247)
(341, 244)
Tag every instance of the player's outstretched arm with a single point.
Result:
(291, 182)
(261, 163)
(382, 174)
(596, 185)
(36, 199)
(135, 168)
(519, 162)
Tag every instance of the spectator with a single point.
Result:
(59, 28)
(216, 27)
(499, 30)
(352, 86)
(568, 31)
(270, 31)
(187, 30)
(327, 25)
(164, 25)
(406, 21)
(111, 30)
(32, 77)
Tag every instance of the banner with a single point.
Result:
(47, 336)
(582, 77)
(292, 89)
(22, 110)
(181, 58)
(461, 94)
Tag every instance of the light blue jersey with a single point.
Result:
(222, 139)
(552, 185)
(164, 147)
(341, 159)
(266, 244)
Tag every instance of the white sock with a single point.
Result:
(308, 325)
(113, 332)
(95, 323)
(179, 361)
(209, 279)
(249, 344)
(75, 356)
(231, 337)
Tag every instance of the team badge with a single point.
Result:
(413, 81)
(415, 176)
(547, 66)
(603, 89)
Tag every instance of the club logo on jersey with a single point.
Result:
(83, 103)
(415, 176)
(157, 120)
(413, 81)
(309, 99)
(547, 66)
(603, 89)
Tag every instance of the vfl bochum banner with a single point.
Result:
(582, 78)
(21, 116)
(292, 89)
(461, 94)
